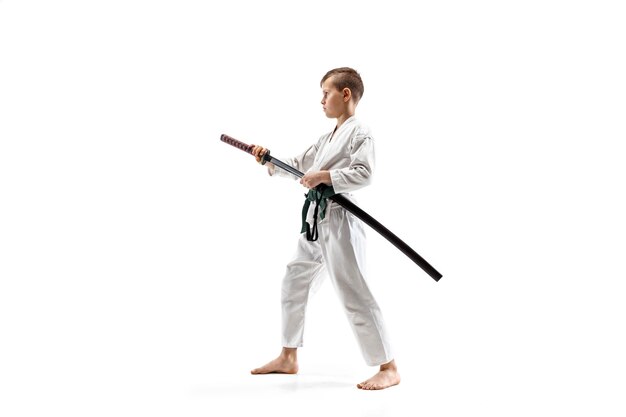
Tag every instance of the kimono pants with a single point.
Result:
(339, 251)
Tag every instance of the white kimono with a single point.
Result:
(348, 154)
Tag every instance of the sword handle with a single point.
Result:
(244, 147)
(237, 144)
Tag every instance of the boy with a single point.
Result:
(343, 159)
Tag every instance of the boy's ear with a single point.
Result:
(347, 94)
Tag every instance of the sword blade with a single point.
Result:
(283, 165)
(387, 234)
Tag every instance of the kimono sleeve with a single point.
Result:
(359, 171)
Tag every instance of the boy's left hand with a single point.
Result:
(313, 179)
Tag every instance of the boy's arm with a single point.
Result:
(358, 173)
(302, 163)
(313, 179)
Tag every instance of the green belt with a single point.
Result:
(319, 195)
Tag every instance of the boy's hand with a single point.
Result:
(313, 179)
(258, 152)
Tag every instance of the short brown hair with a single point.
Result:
(346, 78)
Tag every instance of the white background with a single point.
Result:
(141, 258)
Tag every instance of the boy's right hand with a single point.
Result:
(258, 152)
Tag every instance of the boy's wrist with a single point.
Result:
(324, 178)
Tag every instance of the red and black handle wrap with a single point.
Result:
(244, 147)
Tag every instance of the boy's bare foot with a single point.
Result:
(285, 363)
(386, 377)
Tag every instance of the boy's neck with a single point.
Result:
(342, 118)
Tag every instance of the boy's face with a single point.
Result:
(333, 101)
